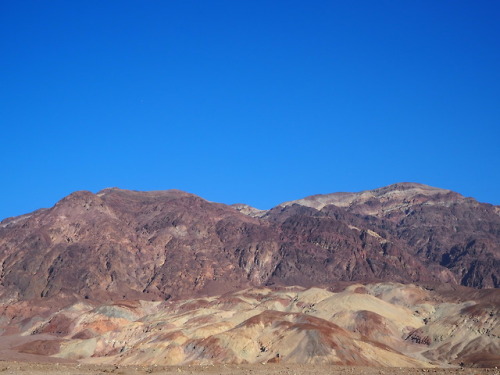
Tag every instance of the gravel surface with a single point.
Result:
(277, 369)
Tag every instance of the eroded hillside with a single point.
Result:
(384, 324)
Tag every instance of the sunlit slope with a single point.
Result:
(374, 325)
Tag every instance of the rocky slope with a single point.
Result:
(439, 226)
(150, 245)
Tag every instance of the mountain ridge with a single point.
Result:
(165, 244)
(246, 207)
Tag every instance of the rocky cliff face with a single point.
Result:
(150, 245)
(439, 227)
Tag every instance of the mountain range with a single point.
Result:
(164, 244)
(379, 277)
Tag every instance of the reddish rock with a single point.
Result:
(121, 244)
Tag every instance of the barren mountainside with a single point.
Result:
(164, 244)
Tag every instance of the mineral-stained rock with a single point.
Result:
(120, 244)
(389, 324)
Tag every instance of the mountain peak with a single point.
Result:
(410, 187)
(151, 193)
(390, 196)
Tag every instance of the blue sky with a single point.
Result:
(247, 101)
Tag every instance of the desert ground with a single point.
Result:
(8, 367)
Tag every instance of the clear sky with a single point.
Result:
(252, 101)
